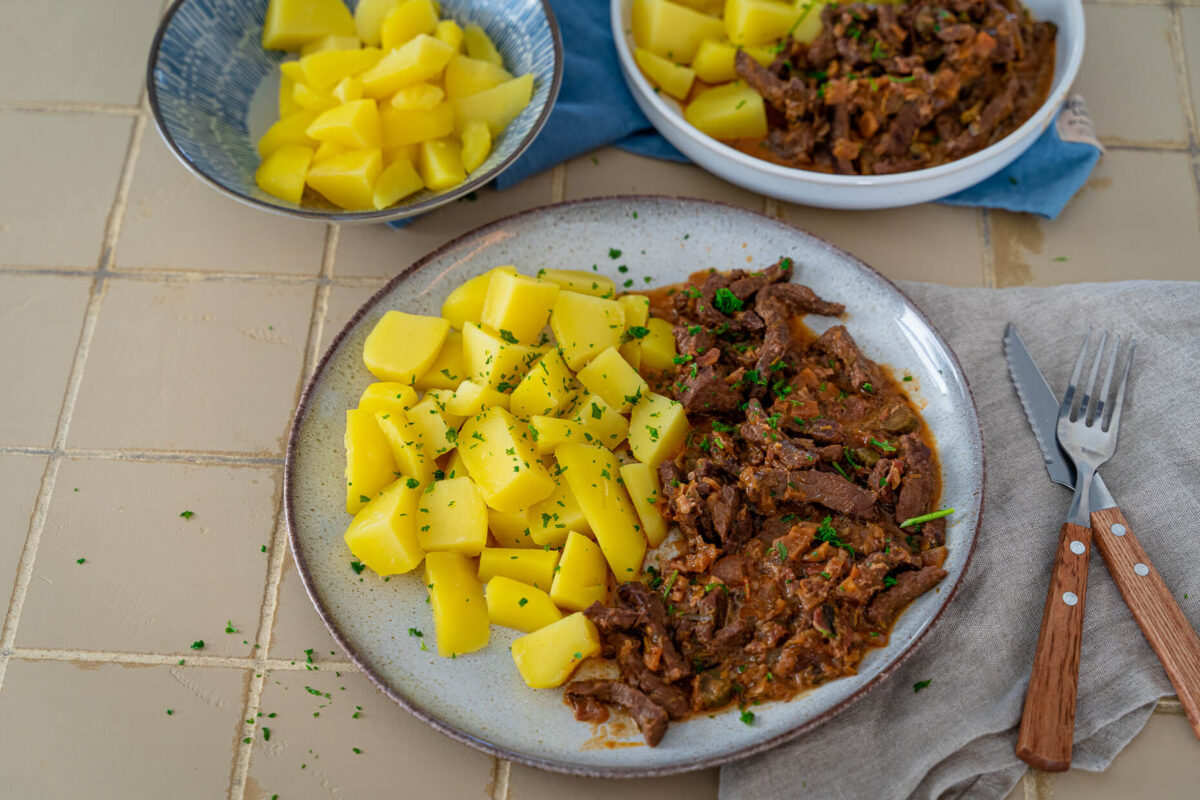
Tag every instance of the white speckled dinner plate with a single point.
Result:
(479, 699)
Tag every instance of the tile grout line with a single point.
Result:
(72, 107)
(988, 257)
(501, 769)
(558, 183)
(172, 660)
(194, 276)
(278, 546)
(204, 457)
(1177, 43)
(1037, 785)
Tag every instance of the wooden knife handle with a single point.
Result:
(1048, 721)
(1159, 616)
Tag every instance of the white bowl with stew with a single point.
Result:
(857, 192)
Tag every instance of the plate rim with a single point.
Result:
(497, 751)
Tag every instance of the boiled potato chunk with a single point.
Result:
(510, 530)
(751, 22)
(550, 432)
(328, 150)
(388, 397)
(674, 79)
(657, 429)
(441, 398)
(441, 164)
(658, 345)
(612, 378)
(547, 657)
(418, 97)
(582, 576)
(641, 481)
(451, 515)
(287, 103)
(348, 180)
(403, 127)
(312, 99)
(324, 69)
(470, 398)
(497, 106)
(637, 309)
(602, 424)
(383, 534)
(671, 30)
(518, 305)
(576, 280)
(493, 359)
(413, 459)
(732, 111)
(480, 46)
(419, 59)
(465, 303)
(369, 16)
(809, 25)
(348, 90)
(397, 181)
(282, 174)
(291, 130)
(406, 21)
(585, 326)
(715, 60)
(330, 43)
(500, 457)
(447, 371)
(592, 474)
(354, 124)
(531, 566)
(547, 389)
(433, 431)
(291, 23)
(466, 76)
(402, 346)
(460, 616)
(369, 462)
(518, 605)
(448, 31)
(477, 143)
(293, 71)
(550, 520)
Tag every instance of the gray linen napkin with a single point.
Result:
(955, 738)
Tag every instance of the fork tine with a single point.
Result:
(1089, 392)
(1102, 398)
(1115, 417)
(1069, 397)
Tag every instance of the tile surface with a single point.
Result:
(313, 756)
(153, 582)
(612, 171)
(102, 730)
(31, 401)
(298, 627)
(1160, 763)
(531, 784)
(21, 476)
(67, 167)
(209, 365)
(1190, 19)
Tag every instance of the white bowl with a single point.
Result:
(856, 191)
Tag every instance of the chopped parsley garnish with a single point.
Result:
(919, 685)
(229, 627)
(670, 582)
(907, 378)
(597, 411)
(747, 716)
(614, 253)
(636, 332)
(508, 336)
(412, 483)
(187, 514)
(888, 581)
(781, 550)
(683, 359)
(884, 446)
(198, 644)
(945, 512)
(80, 560)
(358, 567)
(726, 301)
(522, 602)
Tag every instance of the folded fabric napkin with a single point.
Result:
(955, 738)
(595, 108)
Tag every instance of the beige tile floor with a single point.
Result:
(151, 369)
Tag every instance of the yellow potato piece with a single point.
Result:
(547, 389)
(500, 458)
(497, 106)
(409, 452)
(441, 164)
(348, 90)
(466, 76)
(550, 520)
(585, 326)
(518, 605)
(369, 16)
(731, 111)
(592, 474)
(282, 174)
(550, 432)
(329, 150)
(465, 303)
(460, 617)
(579, 281)
(410, 127)
(492, 359)
(330, 43)
(548, 656)
(511, 531)
(519, 305)
(292, 71)
(353, 124)
(418, 97)
(602, 424)
(451, 515)
(808, 26)
(419, 59)
(398, 180)
(582, 576)
(611, 377)
(402, 346)
(751, 22)
(657, 429)
(477, 143)
(715, 60)
(348, 180)
(637, 311)
(448, 31)
(658, 345)
(671, 30)
(407, 20)
(432, 428)
(388, 397)
(470, 398)
(383, 535)
(641, 481)
(534, 567)
(287, 103)
(674, 79)
(291, 23)
(447, 371)
(288, 131)
(410, 152)
(313, 99)
(480, 46)
(369, 462)
(324, 69)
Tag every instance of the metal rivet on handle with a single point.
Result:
(1118, 529)
(1078, 548)
(1141, 569)
(1070, 598)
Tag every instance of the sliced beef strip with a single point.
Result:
(916, 489)
(776, 445)
(909, 586)
(651, 718)
(776, 304)
(707, 393)
(660, 647)
(672, 699)
(838, 343)
(832, 491)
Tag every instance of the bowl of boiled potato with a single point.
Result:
(352, 110)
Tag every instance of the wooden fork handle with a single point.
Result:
(1048, 721)
(1159, 616)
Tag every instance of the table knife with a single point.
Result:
(1163, 623)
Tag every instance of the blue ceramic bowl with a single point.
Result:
(213, 90)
